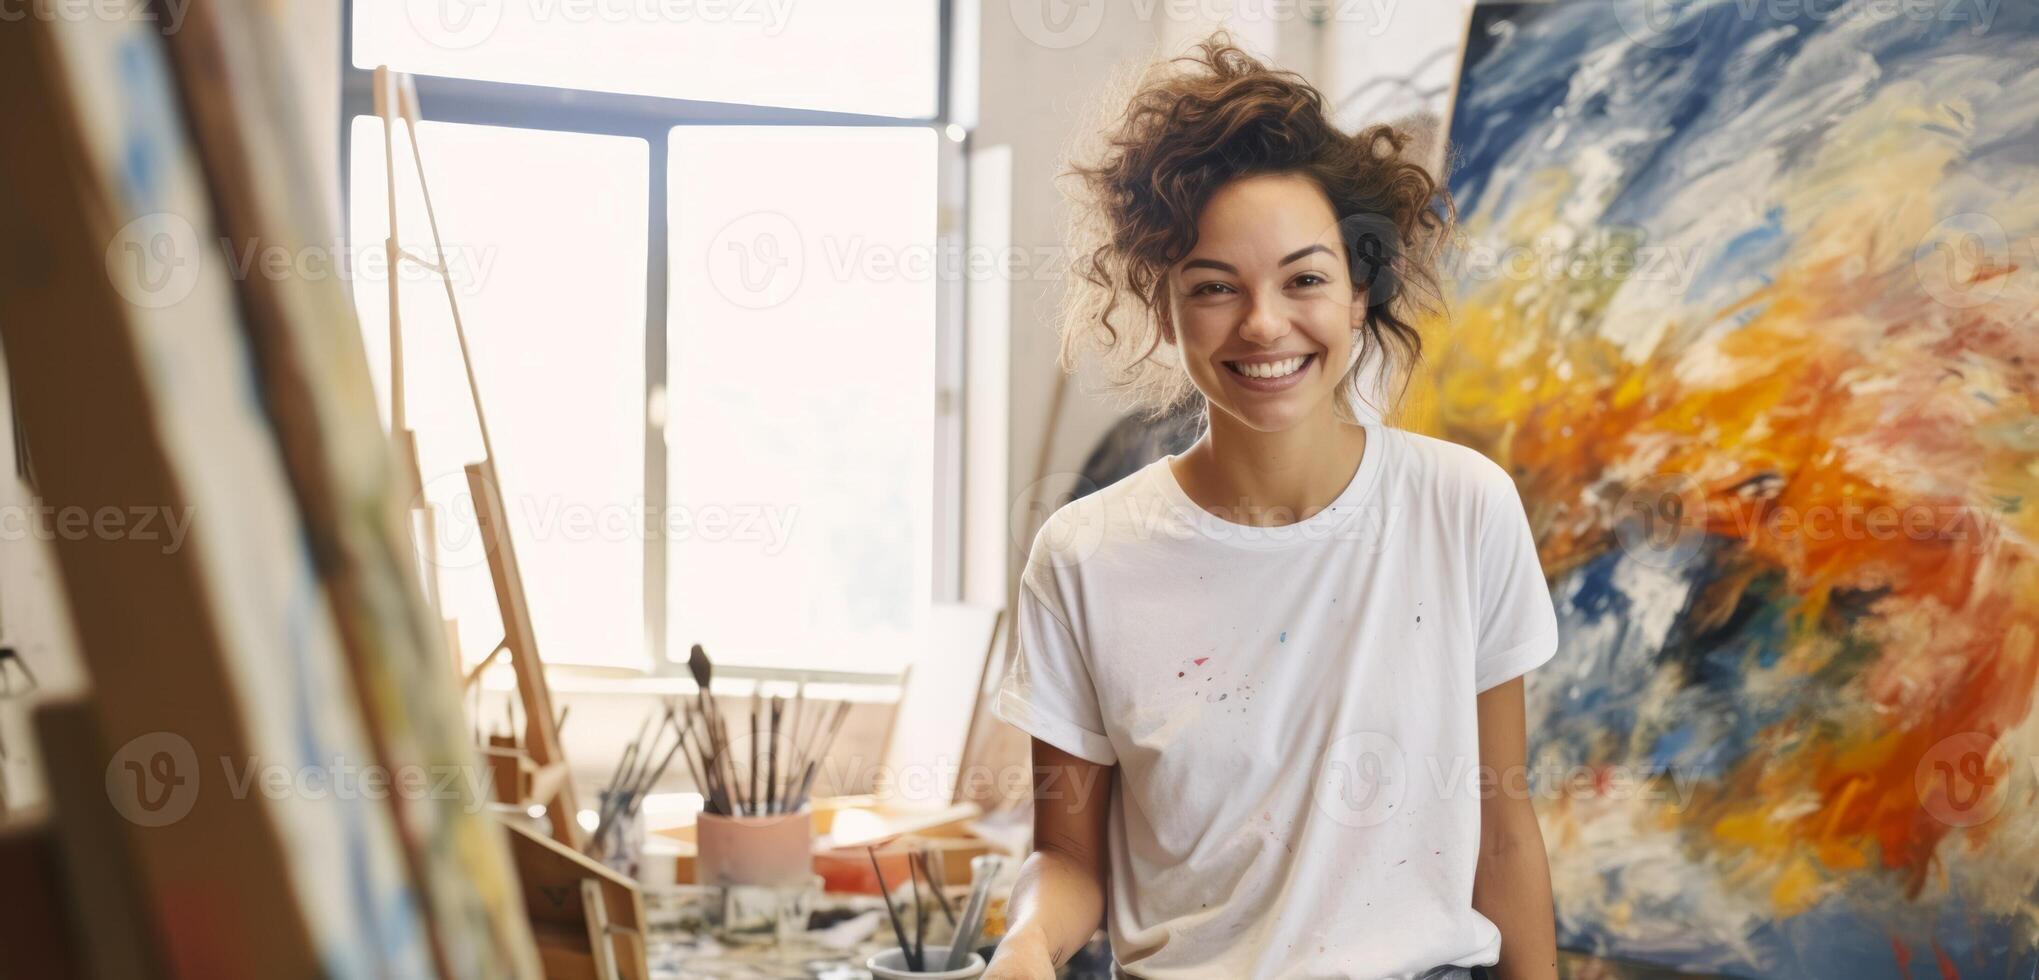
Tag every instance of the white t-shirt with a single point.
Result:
(1291, 709)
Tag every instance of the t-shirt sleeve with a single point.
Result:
(1518, 625)
(1047, 691)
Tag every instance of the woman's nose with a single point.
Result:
(1265, 321)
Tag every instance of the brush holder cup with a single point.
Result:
(764, 866)
(891, 965)
(774, 851)
(621, 845)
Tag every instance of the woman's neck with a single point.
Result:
(1271, 478)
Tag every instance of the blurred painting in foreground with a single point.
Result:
(1746, 304)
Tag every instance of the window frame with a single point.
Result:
(650, 118)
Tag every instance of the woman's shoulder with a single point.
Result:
(1445, 468)
(1075, 530)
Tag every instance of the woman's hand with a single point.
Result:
(1021, 956)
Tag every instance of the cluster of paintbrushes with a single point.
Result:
(729, 787)
(775, 771)
(635, 775)
(964, 931)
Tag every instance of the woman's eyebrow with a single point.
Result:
(1227, 267)
(1306, 250)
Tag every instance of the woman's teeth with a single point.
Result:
(1270, 369)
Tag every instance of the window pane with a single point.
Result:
(545, 235)
(877, 58)
(801, 394)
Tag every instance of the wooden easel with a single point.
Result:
(588, 920)
(396, 97)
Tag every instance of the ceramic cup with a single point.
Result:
(891, 965)
(776, 851)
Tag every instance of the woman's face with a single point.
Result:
(1263, 308)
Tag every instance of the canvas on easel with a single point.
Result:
(1744, 295)
(224, 649)
(397, 100)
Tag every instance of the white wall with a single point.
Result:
(1041, 83)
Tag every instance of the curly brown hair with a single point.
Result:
(1193, 124)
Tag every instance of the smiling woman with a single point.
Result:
(1264, 654)
(1370, 223)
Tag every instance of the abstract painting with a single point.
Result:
(1743, 295)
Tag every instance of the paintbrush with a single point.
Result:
(610, 797)
(710, 781)
(704, 743)
(649, 776)
(938, 876)
(842, 710)
(919, 912)
(693, 770)
(793, 743)
(798, 744)
(756, 698)
(729, 762)
(703, 671)
(892, 912)
(629, 755)
(704, 674)
(982, 871)
(772, 758)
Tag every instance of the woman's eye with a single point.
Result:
(1310, 279)
(1210, 288)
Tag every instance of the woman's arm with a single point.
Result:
(1512, 884)
(1059, 900)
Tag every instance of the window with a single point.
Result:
(544, 236)
(694, 446)
(751, 52)
(800, 393)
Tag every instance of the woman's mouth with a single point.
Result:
(1270, 375)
